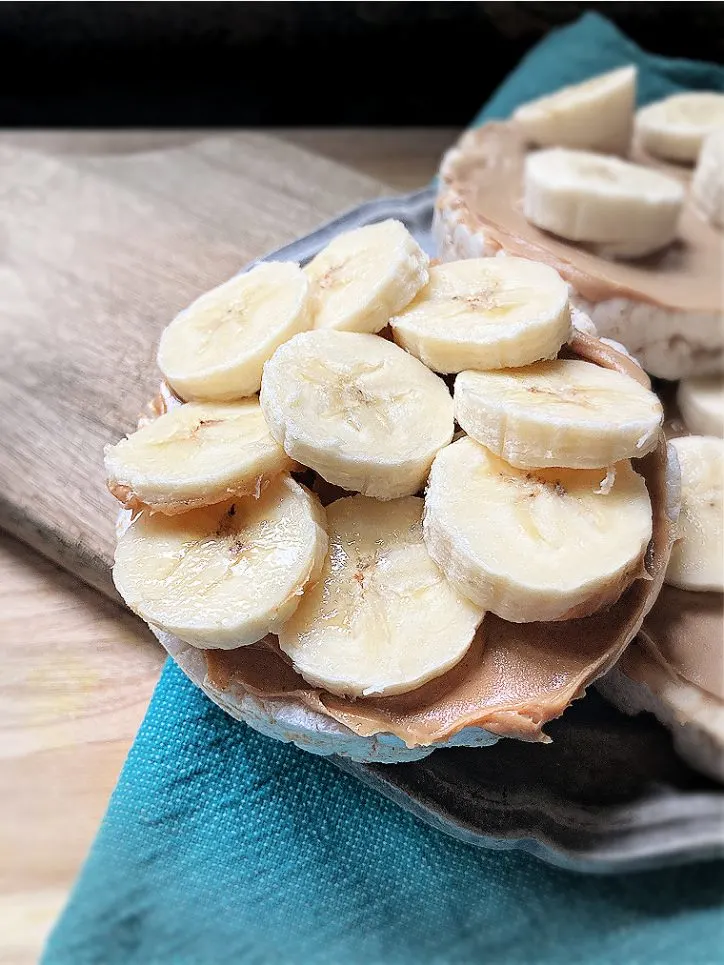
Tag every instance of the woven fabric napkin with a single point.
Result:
(223, 846)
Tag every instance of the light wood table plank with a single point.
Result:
(404, 158)
(101, 248)
(79, 671)
(77, 675)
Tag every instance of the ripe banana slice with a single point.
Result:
(366, 275)
(596, 115)
(701, 403)
(195, 455)
(486, 313)
(561, 413)
(707, 185)
(625, 210)
(224, 576)
(358, 410)
(674, 128)
(697, 559)
(382, 619)
(549, 544)
(216, 348)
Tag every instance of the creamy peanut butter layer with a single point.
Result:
(684, 631)
(483, 180)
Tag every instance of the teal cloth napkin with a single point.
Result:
(223, 846)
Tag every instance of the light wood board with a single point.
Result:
(101, 248)
(77, 675)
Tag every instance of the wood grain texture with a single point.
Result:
(102, 244)
(404, 158)
(78, 674)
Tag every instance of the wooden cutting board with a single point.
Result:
(102, 240)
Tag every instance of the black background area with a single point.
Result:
(217, 64)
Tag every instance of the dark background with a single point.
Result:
(176, 64)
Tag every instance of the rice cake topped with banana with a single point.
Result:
(675, 667)
(640, 244)
(312, 557)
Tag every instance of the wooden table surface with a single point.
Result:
(79, 670)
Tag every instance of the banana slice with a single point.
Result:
(697, 559)
(486, 313)
(195, 455)
(674, 128)
(366, 275)
(561, 413)
(596, 115)
(549, 544)
(707, 185)
(625, 209)
(358, 410)
(224, 576)
(701, 403)
(216, 348)
(382, 619)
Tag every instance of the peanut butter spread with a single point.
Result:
(685, 633)
(515, 677)
(483, 180)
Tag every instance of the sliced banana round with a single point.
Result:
(562, 413)
(358, 410)
(674, 128)
(707, 185)
(366, 275)
(625, 209)
(195, 455)
(596, 115)
(226, 575)
(382, 619)
(701, 404)
(216, 348)
(548, 544)
(486, 313)
(697, 559)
